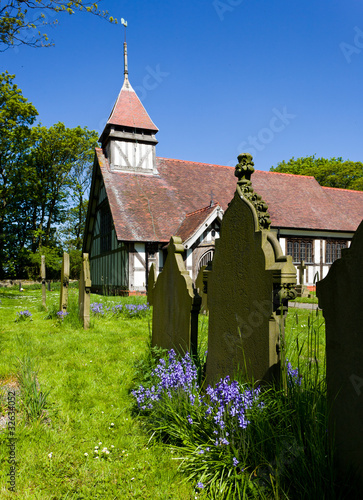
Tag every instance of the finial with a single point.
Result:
(126, 71)
(244, 169)
(211, 199)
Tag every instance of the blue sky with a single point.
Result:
(275, 78)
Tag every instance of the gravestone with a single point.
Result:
(176, 304)
(84, 297)
(301, 288)
(340, 296)
(151, 284)
(249, 286)
(199, 285)
(63, 303)
(42, 273)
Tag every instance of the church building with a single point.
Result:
(138, 201)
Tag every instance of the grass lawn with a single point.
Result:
(89, 375)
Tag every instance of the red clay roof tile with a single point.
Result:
(193, 221)
(152, 208)
(129, 112)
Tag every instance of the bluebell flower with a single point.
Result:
(293, 375)
(62, 314)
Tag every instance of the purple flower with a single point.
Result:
(24, 314)
(171, 377)
(62, 314)
(293, 375)
(200, 485)
(235, 462)
(190, 420)
(97, 308)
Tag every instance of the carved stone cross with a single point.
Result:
(301, 267)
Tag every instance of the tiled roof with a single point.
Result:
(152, 207)
(193, 221)
(129, 112)
(297, 201)
(349, 202)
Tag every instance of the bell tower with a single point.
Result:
(128, 140)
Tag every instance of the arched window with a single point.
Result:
(203, 261)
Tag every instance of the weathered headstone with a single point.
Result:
(63, 304)
(48, 286)
(199, 285)
(42, 273)
(151, 284)
(340, 296)
(301, 288)
(248, 289)
(176, 304)
(84, 298)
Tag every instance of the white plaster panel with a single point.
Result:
(189, 261)
(139, 277)
(140, 248)
(283, 245)
(139, 155)
(317, 246)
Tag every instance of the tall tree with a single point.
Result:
(16, 117)
(58, 163)
(333, 172)
(44, 177)
(23, 21)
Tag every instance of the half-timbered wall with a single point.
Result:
(201, 249)
(317, 253)
(108, 258)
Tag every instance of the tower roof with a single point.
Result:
(129, 112)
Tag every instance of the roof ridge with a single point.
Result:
(202, 209)
(196, 162)
(227, 166)
(286, 173)
(343, 189)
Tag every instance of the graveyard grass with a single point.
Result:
(88, 375)
(85, 378)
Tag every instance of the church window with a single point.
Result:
(333, 250)
(295, 255)
(300, 249)
(205, 259)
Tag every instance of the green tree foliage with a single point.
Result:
(44, 178)
(16, 117)
(334, 172)
(23, 21)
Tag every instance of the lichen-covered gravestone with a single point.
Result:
(151, 285)
(42, 272)
(176, 304)
(63, 303)
(84, 297)
(248, 289)
(340, 296)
